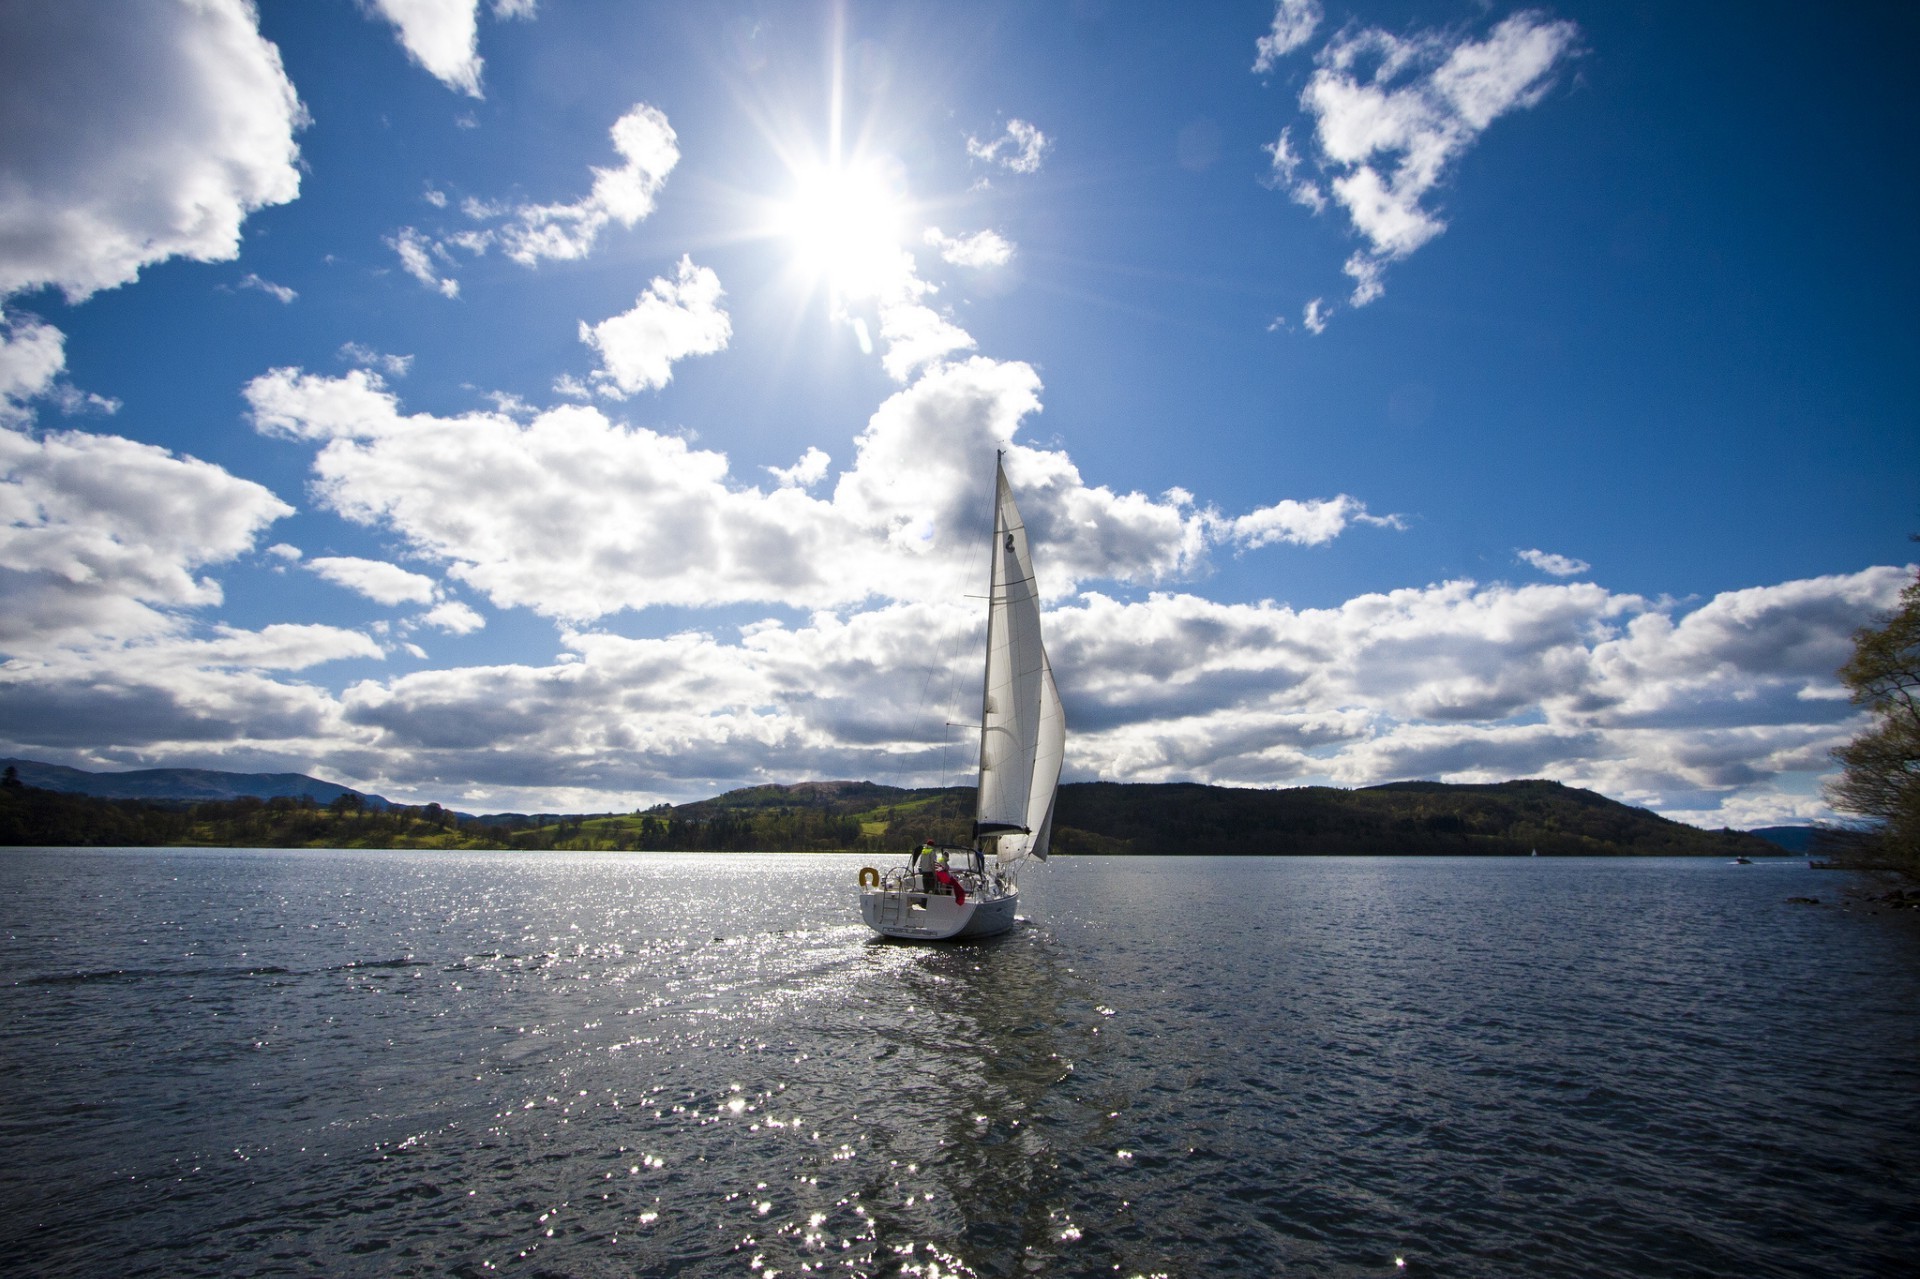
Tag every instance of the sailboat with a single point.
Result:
(954, 893)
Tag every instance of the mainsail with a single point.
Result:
(1023, 731)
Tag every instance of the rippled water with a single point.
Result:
(266, 1063)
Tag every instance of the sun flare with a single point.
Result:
(845, 225)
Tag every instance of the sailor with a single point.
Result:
(944, 878)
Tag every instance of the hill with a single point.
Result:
(1505, 818)
(183, 785)
(1795, 839)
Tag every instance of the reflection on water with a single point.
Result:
(383, 1063)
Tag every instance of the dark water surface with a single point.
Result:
(294, 1063)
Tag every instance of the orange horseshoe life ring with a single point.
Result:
(869, 877)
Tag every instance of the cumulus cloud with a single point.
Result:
(178, 121)
(650, 150)
(670, 321)
(378, 580)
(1312, 523)
(441, 36)
(1018, 149)
(529, 233)
(1294, 22)
(1314, 315)
(454, 617)
(102, 537)
(1555, 565)
(1647, 701)
(981, 249)
(1393, 113)
(32, 355)
(576, 516)
(807, 472)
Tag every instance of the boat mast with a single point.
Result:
(986, 662)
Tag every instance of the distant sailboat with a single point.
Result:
(954, 893)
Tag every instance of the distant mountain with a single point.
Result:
(188, 785)
(1795, 839)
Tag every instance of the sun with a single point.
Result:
(844, 224)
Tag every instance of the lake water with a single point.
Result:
(300, 1063)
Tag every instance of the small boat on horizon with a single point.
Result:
(953, 892)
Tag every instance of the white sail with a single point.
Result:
(1022, 726)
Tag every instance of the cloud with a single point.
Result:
(1312, 523)
(441, 36)
(807, 472)
(1713, 710)
(625, 195)
(278, 292)
(670, 321)
(1294, 22)
(979, 250)
(1391, 114)
(101, 537)
(418, 255)
(1284, 173)
(1556, 565)
(367, 357)
(454, 617)
(378, 580)
(562, 232)
(178, 121)
(1018, 149)
(576, 517)
(32, 355)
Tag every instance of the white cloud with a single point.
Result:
(418, 254)
(378, 580)
(525, 513)
(442, 36)
(1313, 523)
(979, 250)
(101, 537)
(1284, 173)
(367, 357)
(670, 321)
(1294, 22)
(1556, 565)
(807, 472)
(1314, 315)
(1019, 149)
(625, 195)
(1720, 712)
(562, 232)
(178, 122)
(32, 354)
(1393, 113)
(917, 336)
(278, 292)
(454, 617)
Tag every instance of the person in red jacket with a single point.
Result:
(945, 880)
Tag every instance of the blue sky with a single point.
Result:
(578, 405)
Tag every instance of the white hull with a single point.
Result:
(912, 915)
